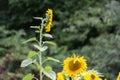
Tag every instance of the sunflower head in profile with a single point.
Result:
(49, 13)
(91, 75)
(74, 65)
(60, 76)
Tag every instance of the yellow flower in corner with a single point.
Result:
(74, 65)
(91, 75)
(49, 12)
(60, 76)
(118, 77)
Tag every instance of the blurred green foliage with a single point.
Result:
(11, 41)
(103, 54)
(86, 27)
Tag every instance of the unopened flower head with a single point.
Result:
(74, 65)
(49, 12)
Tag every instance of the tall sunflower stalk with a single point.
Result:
(74, 68)
(36, 57)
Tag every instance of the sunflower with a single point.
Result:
(49, 12)
(74, 65)
(60, 76)
(91, 75)
(118, 77)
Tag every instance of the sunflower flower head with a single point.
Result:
(118, 77)
(91, 75)
(60, 76)
(74, 65)
(49, 13)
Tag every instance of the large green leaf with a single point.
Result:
(50, 74)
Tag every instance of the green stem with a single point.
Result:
(44, 61)
(40, 53)
(35, 78)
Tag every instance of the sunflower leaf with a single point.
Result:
(48, 35)
(50, 74)
(41, 48)
(36, 27)
(50, 42)
(29, 40)
(53, 59)
(27, 62)
(40, 18)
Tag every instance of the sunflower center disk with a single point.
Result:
(74, 65)
(93, 76)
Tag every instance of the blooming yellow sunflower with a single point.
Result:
(74, 65)
(91, 75)
(49, 12)
(118, 77)
(60, 76)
